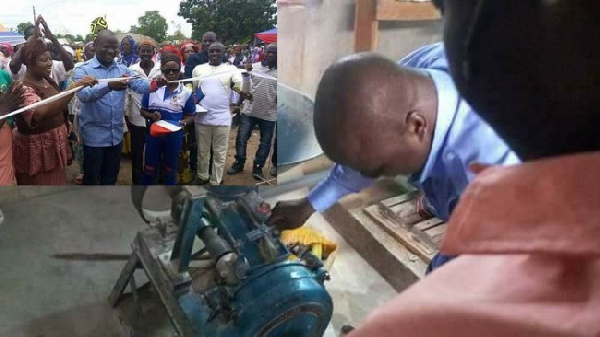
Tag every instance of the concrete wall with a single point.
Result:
(310, 38)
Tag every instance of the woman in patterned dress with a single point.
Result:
(41, 149)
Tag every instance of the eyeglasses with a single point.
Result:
(171, 71)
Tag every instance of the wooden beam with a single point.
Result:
(394, 10)
(391, 260)
(403, 235)
(365, 26)
(400, 199)
(427, 224)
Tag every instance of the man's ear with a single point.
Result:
(416, 124)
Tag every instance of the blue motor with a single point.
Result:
(258, 290)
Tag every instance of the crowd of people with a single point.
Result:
(169, 108)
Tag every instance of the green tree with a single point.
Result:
(21, 26)
(152, 24)
(69, 37)
(178, 35)
(232, 20)
(78, 37)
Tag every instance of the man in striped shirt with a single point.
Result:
(261, 110)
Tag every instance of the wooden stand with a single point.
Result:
(386, 230)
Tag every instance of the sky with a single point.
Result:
(75, 16)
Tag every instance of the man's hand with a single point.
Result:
(246, 95)
(119, 85)
(87, 81)
(155, 116)
(161, 82)
(13, 99)
(290, 214)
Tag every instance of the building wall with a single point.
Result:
(310, 38)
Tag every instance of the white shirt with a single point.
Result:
(133, 100)
(217, 91)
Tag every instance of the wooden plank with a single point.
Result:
(427, 224)
(394, 10)
(400, 199)
(431, 237)
(379, 249)
(406, 213)
(382, 189)
(437, 234)
(413, 242)
(365, 26)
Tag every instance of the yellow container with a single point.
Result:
(320, 246)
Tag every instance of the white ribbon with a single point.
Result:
(115, 79)
(66, 93)
(221, 73)
(192, 79)
(265, 76)
(42, 102)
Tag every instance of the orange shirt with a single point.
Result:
(529, 236)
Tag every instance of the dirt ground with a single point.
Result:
(244, 178)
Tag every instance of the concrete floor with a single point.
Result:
(43, 295)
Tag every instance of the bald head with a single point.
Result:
(364, 101)
(107, 46)
(104, 34)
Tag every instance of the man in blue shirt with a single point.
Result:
(102, 111)
(377, 118)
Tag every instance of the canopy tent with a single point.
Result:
(13, 38)
(269, 36)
